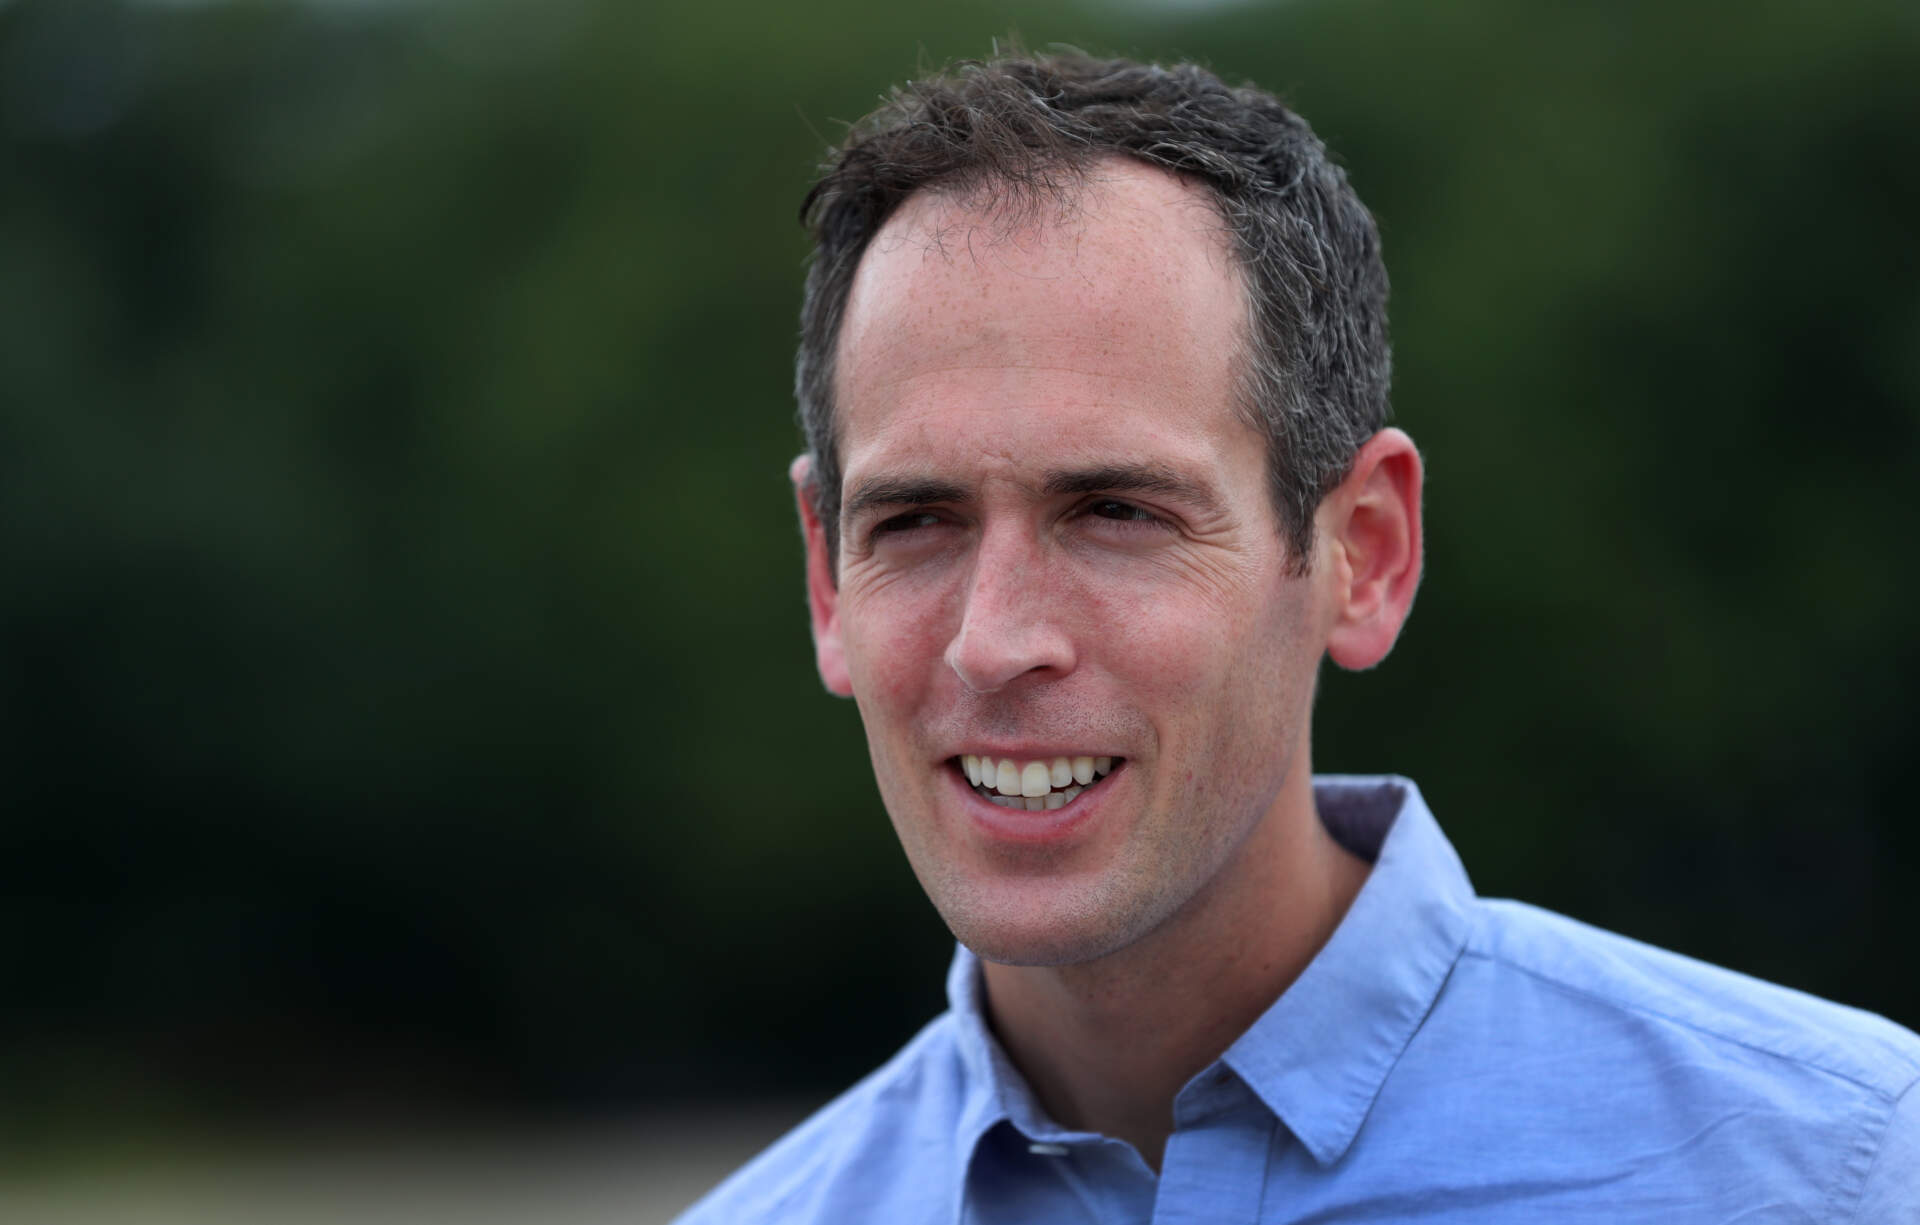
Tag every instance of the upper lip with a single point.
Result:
(1032, 754)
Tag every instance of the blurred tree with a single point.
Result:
(405, 684)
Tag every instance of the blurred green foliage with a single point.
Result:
(406, 699)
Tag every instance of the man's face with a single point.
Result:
(1057, 543)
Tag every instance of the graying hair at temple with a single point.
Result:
(1016, 131)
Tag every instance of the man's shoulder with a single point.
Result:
(863, 1148)
(1631, 1080)
(1761, 1024)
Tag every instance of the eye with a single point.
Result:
(1123, 512)
(909, 522)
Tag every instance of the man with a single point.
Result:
(1094, 373)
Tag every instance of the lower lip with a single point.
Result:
(1032, 828)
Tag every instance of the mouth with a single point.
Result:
(1036, 785)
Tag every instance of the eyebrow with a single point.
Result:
(899, 491)
(1103, 478)
(1135, 478)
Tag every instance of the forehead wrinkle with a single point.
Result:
(1089, 370)
(1015, 341)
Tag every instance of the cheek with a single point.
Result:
(1178, 638)
(1233, 675)
(895, 637)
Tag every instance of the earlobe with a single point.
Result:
(823, 594)
(1374, 530)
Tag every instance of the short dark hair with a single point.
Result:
(1024, 127)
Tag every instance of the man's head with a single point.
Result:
(1055, 537)
(1314, 363)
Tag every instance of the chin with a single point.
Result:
(1068, 931)
(1016, 950)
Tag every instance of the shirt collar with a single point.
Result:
(994, 1091)
(1318, 1056)
(995, 1088)
(989, 1073)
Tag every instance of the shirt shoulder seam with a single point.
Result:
(1721, 1035)
(1879, 1150)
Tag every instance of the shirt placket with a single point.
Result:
(1214, 1170)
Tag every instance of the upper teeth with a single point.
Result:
(1033, 779)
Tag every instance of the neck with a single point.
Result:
(1107, 1044)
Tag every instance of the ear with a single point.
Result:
(1371, 524)
(823, 594)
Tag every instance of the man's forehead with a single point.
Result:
(1064, 323)
(1121, 234)
(1054, 430)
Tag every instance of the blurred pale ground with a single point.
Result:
(639, 1173)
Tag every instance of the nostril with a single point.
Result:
(993, 647)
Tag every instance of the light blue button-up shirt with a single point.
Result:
(1444, 1058)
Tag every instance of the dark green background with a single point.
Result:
(406, 704)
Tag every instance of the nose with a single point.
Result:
(1014, 621)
